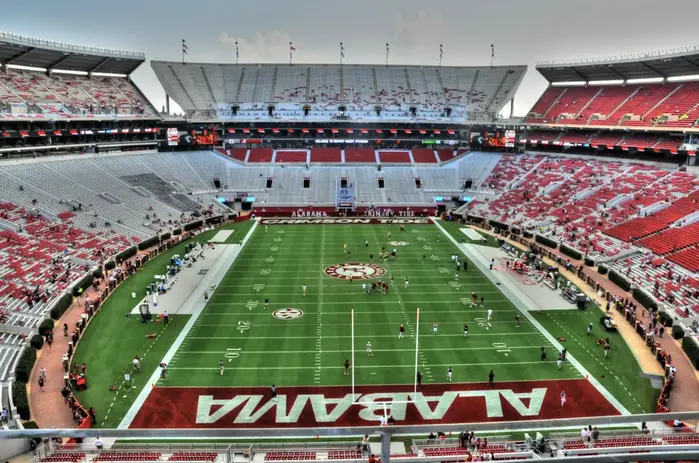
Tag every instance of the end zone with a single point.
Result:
(312, 407)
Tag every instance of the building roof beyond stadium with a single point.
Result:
(652, 65)
(28, 51)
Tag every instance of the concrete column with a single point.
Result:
(385, 447)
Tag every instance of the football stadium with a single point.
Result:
(347, 261)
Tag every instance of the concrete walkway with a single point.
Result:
(48, 407)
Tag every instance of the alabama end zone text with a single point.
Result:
(308, 407)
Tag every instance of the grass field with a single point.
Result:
(311, 350)
(259, 349)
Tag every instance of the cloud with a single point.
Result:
(261, 47)
(423, 29)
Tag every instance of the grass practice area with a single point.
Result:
(303, 340)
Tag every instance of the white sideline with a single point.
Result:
(223, 264)
(482, 265)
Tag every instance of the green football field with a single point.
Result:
(258, 349)
(310, 338)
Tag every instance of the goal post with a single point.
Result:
(417, 348)
(352, 336)
(353, 359)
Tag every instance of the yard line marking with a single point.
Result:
(470, 335)
(425, 311)
(319, 318)
(314, 351)
(302, 325)
(412, 366)
(401, 304)
(429, 301)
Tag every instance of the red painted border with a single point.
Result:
(179, 407)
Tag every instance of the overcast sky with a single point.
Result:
(522, 31)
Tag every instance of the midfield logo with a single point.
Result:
(247, 409)
(287, 314)
(355, 271)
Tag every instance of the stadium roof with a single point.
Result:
(28, 51)
(674, 63)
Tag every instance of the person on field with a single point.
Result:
(491, 378)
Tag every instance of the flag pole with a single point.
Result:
(492, 55)
(387, 51)
(182, 51)
(441, 54)
(236, 52)
(342, 53)
(417, 346)
(290, 46)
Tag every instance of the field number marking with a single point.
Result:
(232, 353)
(243, 326)
(501, 347)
